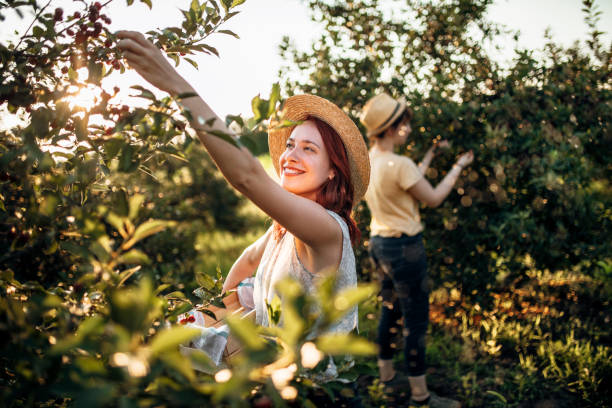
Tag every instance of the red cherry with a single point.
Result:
(116, 64)
(70, 32)
(58, 15)
(76, 14)
(64, 70)
(263, 402)
(108, 43)
(116, 89)
(97, 5)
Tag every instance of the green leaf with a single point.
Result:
(205, 281)
(134, 256)
(95, 72)
(147, 2)
(117, 222)
(255, 103)
(144, 92)
(274, 309)
(146, 229)
(211, 49)
(135, 205)
(127, 163)
(226, 4)
(120, 202)
(88, 326)
(186, 95)
(192, 62)
(112, 147)
(169, 339)
(80, 127)
(225, 136)
(48, 205)
(237, 3)
(274, 98)
(498, 395)
(246, 332)
(176, 294)
(336, 344)
(234, 118)
(228, 32)
(348, 298)
(195, 5)
(178, 362)
(90, 365)
(38, 31)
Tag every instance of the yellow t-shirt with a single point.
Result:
(394, 210)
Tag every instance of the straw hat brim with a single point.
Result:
(396, 114)
(299, 108)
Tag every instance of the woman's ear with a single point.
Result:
(331, 175)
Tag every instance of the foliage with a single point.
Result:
(539, 342)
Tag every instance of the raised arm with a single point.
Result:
(433, 197)
(304, 218)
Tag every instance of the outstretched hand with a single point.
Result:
(443, 144)
(465, 159)
(150, 63)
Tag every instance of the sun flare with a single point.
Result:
(85, 97)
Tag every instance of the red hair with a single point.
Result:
(335, 194)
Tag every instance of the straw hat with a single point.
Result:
(298, 108)
(380, 112)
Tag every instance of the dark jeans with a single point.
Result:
(405, 293)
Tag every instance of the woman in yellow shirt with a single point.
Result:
(397, 186)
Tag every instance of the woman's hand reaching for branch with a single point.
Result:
(150, 63)
(465, 159)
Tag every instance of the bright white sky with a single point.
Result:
(250, 65)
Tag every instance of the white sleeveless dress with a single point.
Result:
(280, 259)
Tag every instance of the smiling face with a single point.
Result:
(305, 163)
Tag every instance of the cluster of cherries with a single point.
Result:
(188, 319)
(91, 29)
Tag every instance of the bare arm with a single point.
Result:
(433, 197)
(430, 154)
(246, 265)
(305, 219)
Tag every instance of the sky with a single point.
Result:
(249, 66)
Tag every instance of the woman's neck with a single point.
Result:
(385, 144)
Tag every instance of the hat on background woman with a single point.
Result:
(380, 112)
(299, 108)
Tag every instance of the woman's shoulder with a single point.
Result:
(346, 235)
(339, 219)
